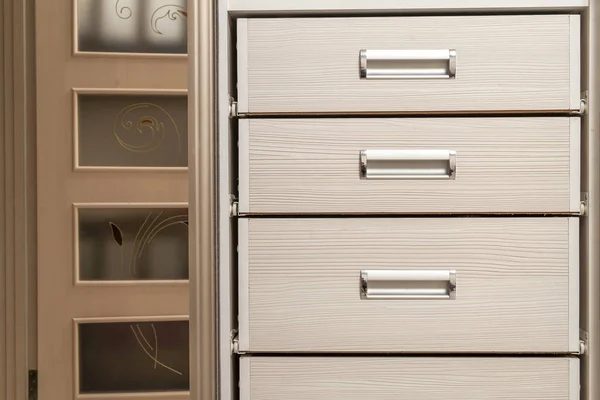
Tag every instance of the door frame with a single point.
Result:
(202, 145)
(590, 230)
(18, 200)
(18, 319)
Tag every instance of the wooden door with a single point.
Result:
(112, 199)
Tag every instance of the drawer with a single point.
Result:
(409, 165)
(415, 378)
(408, 64)
(409, 285)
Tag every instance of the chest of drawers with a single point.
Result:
(403, 201)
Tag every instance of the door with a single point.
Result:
(112, 193)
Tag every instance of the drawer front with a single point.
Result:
(415, 378)
(432, 285)
(410, 64)
(409, 165)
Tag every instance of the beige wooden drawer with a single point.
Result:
(502, 165)
(414, 378)
(301, 287)
(501, 63)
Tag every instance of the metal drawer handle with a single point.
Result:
(407, 164)
(407, 285)
(407, 64)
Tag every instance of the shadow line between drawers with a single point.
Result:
(421, 12)
(400, 215)
(414, 114)
(407, 355)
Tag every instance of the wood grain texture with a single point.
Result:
(576, 162)
(324, 7)
(575, 61)
(509, 62)
(574, 281)
(391, 378)
(504, 165)
(512, 278)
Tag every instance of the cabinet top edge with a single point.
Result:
(283, 7)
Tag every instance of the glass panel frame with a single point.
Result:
(124, 122)
(144, 339)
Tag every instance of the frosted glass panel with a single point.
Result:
(132, 26)
(132, 130)
(133, 357)
(133, 244)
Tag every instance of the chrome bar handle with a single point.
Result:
(407, 64)
(407, 164)
(407, 285)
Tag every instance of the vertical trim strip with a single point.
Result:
(76, 366)
(245, 378)
(17, 120)
(75, 117)
(575, 61)
(225, 247)
(242, 55)
(573, 284)
(575, 163)
(243, 283)
(244, 166)
(202, 212)
(75, 245)
(591, 316)
(74, 27)
(6, 375)
(574, 379)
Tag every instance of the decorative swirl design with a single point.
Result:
(147, 347)
(123, 12)
(170, 11)
(150, 130)
(144, 235)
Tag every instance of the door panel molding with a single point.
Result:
(17, 198)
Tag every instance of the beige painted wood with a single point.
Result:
(30, 186)
(418, 378)
(299, 285)
(503, 165)
(202, 150)
(590, 251)
(60, 187)
(226, 182)
(17, 125)
(311, 65)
